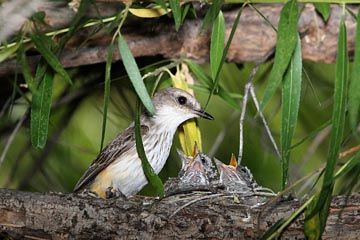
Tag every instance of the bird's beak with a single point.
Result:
(203, 114)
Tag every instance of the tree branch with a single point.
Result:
(253, 39)
(69, 216)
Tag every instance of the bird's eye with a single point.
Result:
(203, 160)
(182, 100)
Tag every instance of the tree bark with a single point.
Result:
(70, 216)
(254, 37)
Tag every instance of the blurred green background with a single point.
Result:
(76, 125)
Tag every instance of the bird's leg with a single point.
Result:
(111, 192)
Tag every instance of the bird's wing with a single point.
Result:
(120, 145)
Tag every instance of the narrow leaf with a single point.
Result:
(323, 9)
(349, 165)
(75, 22)
(211, 14)
(338, 116)
(185, 11)
(176, 9)
(134, 74)
(227, 46)
(311, 225)
(8, 52)
(40, 111)
(161, 3)
(354, 90)
(106, 90)
(150, 174)
(44, 46)
(290, 107)
(25, 68)
(286, 43)
(320, 210)
(217, 44)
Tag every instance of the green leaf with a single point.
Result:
(354, 90)
(211, 14)
(150, 174)
(217, 44)
(25, 68)
(8, 52)
(185, 11)
(290, 107)
(75, 22)
(324, 9)
(311, 225)
(161, 3)
(44, 45)
(134, 74)
(286, 43)
(350, 164)
(338, 116)
(106, 90)
(39, 17)
(272, 229)
(40, 110)
(227, 46)
(176, 9)
(338, 119)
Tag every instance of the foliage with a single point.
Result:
(65, 107)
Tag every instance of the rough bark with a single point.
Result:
(253, 40)
(69, 216)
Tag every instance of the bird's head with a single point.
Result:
(176, 106)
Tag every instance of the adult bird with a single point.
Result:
(118, 167)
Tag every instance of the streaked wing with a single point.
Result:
(120, 145)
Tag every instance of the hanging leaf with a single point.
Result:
(324, 9)
(176, 9)
(40, 110)
(286, 43)
(217, 44)
(44, 45)
(320, 211)
(7, 52)
(290, 107)
(161, 3)
(25, 68)
(134, 74)
(211, 14)
(354, 90)
(150, 174)
(227, 46)
(75, 23)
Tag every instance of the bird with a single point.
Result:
(118, 166)
(201, 173)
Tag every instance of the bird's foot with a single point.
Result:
(111, 192)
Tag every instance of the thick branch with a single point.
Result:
(69, 216)
(254, 37)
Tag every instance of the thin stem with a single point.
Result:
(257, 105)
(243, 111)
